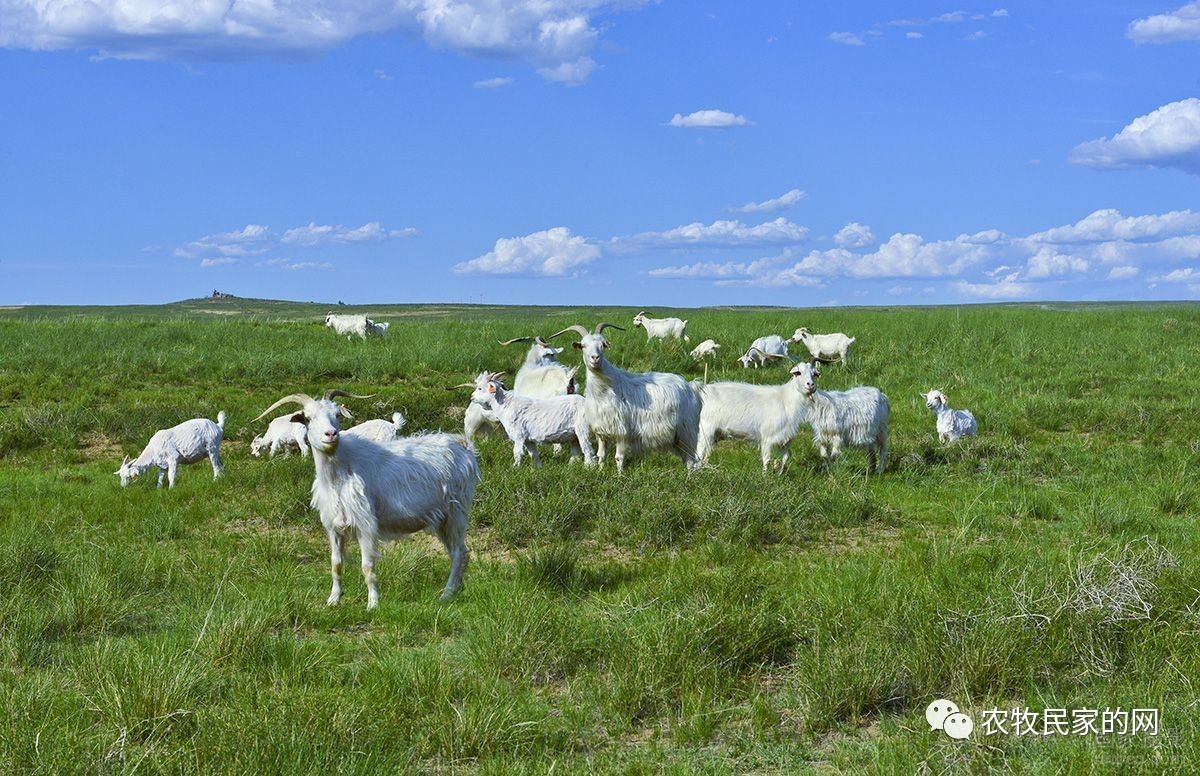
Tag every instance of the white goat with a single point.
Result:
(705, 349)
(378, 329)
(637, 412)
(825, 345)
(854, 418)
(530, 422)
(764, 349)
(540, 377)
(281, 434)
(767, 414)
(951, 424)
(349, 325)
(378, 429)
(190, 441)
(378, 491)
(662, 328)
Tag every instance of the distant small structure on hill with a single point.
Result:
(221, 295)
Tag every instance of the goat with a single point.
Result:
(662, 328)
(951, 424)
(825, 345)
(705, 349)
(281, 434)
(378, 329)
(854, 418)
(764, 349)
(349, 325)
(767, 414)
(378, 491)
(378, 429)
(530, 422)
(636, 412)
(539, 377)
(188, 442)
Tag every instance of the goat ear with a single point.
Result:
(491, 388)
(578, 345)
(299, 418)
(345, 413)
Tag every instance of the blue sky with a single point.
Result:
(607, 151)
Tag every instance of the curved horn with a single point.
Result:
(641, 314)
(518, 339)
(333, 393)
(497, 375)
(582, 332)
(299, 398)
(460, 385)
(773, 355)
(539, 340)
(600, 327)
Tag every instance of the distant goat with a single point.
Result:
(662, 328)
(825, 345)
(349, 325)
(188, 442)
(378, 429)
(282, 434)
(764, 349)
(951, 424)
(540, 376)
(705, 349)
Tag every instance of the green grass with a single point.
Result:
(726, 621)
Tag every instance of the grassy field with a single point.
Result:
(726, 621)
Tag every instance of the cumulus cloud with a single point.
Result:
(782, 202)
(999, 290)
(247, 241)
(1182, 275)
(322, 234)
(1179, 25)
(221, 261)
(709, 119)
(718, 234)
(1109, 224)
(552, 253)
(854, 235)
(554, 36)
(1166, 137)
(1123, 272)
(494, 83)
(913, 35)
(1048, 262)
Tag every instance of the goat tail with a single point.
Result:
(398, 420)
(221, 420)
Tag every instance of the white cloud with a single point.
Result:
(321, 234)
(999, 290)
(1123, 272)
(845, 38)
(977, 35)
(382, 75)
(1048, 262)
(711, 270)
(1109, 224)
(708, 119)
(554, 36)
(218, 262)
(247, 241)
(494, 83)
(1178, 25)
(718, 234)
(854, 235)
(1000, 13)
(1166, 137)
(295, 266)
(913, 35)
(952, 16)
(783, 201)
(552, 253)
(1182, 275)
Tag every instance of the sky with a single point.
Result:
(631, 152)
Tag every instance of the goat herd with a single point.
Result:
(373, 484)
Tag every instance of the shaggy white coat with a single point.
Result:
(951, 424)
(854, 418)
(189, 442)
(282, 434)
(764, 349)
(705, 349)
(770, 415)
(540, 376)
(531, 422)
(349, 325)
(638, 412)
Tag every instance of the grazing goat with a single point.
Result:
(378, 491)
(190, 441)
(378, 429)
(767, 414)
(662, 328)
(281, 434)
(825, 345)
(540, 377)
(530, 422)
(349, 325)
(378, 329)
(951, 424)
(854, 418)
(764, 349)
(705, 349)
(636, 412)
